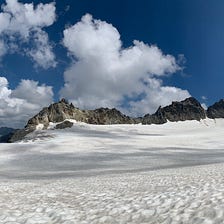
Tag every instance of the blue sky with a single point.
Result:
(192, 32)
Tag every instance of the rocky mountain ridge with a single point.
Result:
(58, 112)
(188, 109)
(216, 110)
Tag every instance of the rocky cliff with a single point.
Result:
(58, 112)
(62, 110)
(108, 116)
(188, 109)
(216, 110)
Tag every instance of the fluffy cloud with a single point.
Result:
(22, 25)
(42, 54)
(18, 105)
(156, 95)
(106, 74)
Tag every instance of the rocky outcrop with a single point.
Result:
(63, 125)
(216, 110)
(20, 134)
(188, 109)
(58, 112)
(62, 110)
(108, 116)
(157, 118)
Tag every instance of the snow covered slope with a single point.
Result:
(171, 173)
(94, 149)
(204, 134)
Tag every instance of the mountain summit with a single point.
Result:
(188, 109)
(216, 110)
(58, 112)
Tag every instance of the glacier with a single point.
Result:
(170, 173)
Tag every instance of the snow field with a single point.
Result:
(125, 174)
(183, 195)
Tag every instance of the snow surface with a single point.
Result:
(171, 173)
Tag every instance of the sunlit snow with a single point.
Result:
(171, 173)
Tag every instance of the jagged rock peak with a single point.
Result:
(216, 110)
(64, 124)
(56, 112)
(63, 100)
(108, 116)
(188, 109)
(190, 100)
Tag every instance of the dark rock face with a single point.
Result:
(108, 116)
(62, 110)
(156, 118)
(63, 125)
(58, 112)
(188, 109)
(20, 134)
(216, 110)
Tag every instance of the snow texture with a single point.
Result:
(171, 173)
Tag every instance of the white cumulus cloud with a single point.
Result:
(20, 104)
(104, 73)
(22, 24)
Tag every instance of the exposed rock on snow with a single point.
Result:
(20, 134)
(108, 116)
(62, 110)
(64, 124)
(216, 110)
(57, 112)
(188, 109)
